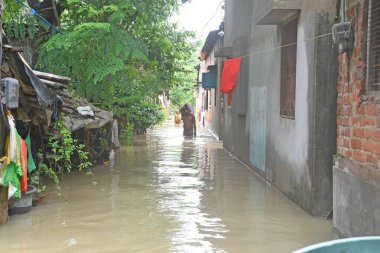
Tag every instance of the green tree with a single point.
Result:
(119, 53)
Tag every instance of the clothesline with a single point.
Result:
(287, 45)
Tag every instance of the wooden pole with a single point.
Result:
(3, 190)
(4, 205)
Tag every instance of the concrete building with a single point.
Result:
(356, 169)
(281, 120)
(210, 100)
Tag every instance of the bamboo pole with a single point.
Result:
(52, 77)
(3, 190)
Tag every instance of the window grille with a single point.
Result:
(373, 79)
(288, 68)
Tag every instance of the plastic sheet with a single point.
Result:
(24, 73)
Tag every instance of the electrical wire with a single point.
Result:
(35, 13)
(287, 45)
(212, 17)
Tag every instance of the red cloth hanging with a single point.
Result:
(24, 166)
(230, 75)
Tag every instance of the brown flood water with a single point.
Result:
(165, 194)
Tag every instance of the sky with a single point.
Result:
(200, 16)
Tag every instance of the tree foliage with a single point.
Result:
(19, 23)
(119, 54)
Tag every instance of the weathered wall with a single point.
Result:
(212, 114)
(298, 152)
(356, 199)
(238, 19)
(358, 137)
(213, 120)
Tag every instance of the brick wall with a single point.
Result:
(358, 121)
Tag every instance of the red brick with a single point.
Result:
(339, 131)
(339, 110)
(368, 121)
(371, 146)
(346, 142)
(346, 99)
(339, 87)
(356, 121)
(346, 121)
(359, 85)
(371, 158)
(359, 155)
(347, 153)
(347, 131)
(354, 76)
(339, 100)
(357, 53)
(358, 132)
(375, 135)
(360, 64)
(362, 26)
(339, 141)
(346, 88)
(356, 144)
(339, 150)
(340, 58)
(347, 111)
(360, 110)
(367, 133)
(358, 96)
(339, 120)
(371, 110)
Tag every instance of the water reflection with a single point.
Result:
(166, 193)
(181, 180)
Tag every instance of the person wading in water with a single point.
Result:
(177, 118)
(188, 119)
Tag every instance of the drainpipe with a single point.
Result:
(343, 10)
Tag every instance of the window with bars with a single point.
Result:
(288, 68)
(373, 78)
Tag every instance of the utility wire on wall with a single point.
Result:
(287, 45)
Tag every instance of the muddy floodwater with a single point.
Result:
(165, 194)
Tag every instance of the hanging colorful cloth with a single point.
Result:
(13, 171)
(31, 164)
(24, 166)
(230, 75)
(12, 148)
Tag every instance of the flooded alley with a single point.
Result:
(165, 194)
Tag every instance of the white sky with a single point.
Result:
(200, 16)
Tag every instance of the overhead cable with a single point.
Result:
(287, 45)
(35, 13)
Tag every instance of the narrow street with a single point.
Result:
(165, 194)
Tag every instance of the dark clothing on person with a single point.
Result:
(188, 119)
(189, 127)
